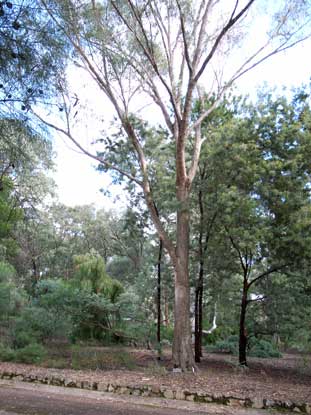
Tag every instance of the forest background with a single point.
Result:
(226, 181)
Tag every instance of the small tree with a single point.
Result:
(91, 276)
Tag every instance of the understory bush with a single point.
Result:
(256, 347)
(213, 337)
(263, 348)
(39, 324)
(229, 345)
(32, 353)
(6, 353)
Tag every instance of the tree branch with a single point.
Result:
(183, 31)
(196, 154)
(86, 152)
(268, 272)
(236, 247)
(223, 32)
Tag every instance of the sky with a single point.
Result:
(79, 183)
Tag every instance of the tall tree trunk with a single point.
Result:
(243, 334)
(198, 319)
(182, 348)
(198, 322)
(166, 321)
(35, 275)
(159, 316)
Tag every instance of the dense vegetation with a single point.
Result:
(217, 226)
(73, 274)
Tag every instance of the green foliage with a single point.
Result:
(263, 348)
(21, 339)
(257, 347)
(40, 324)
(12, 298)
(10, 214)
(212, 338)
(229, 345)
(32, 353)
(7, 354)
(91, 276)
(7, 272)
(167, 333)
(32, 54)
(253, 174)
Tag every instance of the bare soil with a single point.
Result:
(286, 378)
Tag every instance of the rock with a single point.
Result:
(156, 390)
(69, 383)
(236, 402)
(308, 408)
(257, 403)
(111, 388)
(202, 397)
(287, 405)
(86, 385)
(190, 397)
(219, 398)
(136, 392)
(57, 382)
(124, 390)
(169, 394)
(180, 395)
(103, 387)
(177, 370)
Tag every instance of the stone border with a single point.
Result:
(162, 392)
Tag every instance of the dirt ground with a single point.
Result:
(286, 378)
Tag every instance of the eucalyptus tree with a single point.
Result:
(159, 53)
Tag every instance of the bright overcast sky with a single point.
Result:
(78, 181)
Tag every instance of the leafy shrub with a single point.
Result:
(167, 333)
(32, 353)
(7, 272)
(229, 345)
(6, 354)
(264, 349)
(39, 324)
(256, 347)
(213, 337)
(22, 339)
